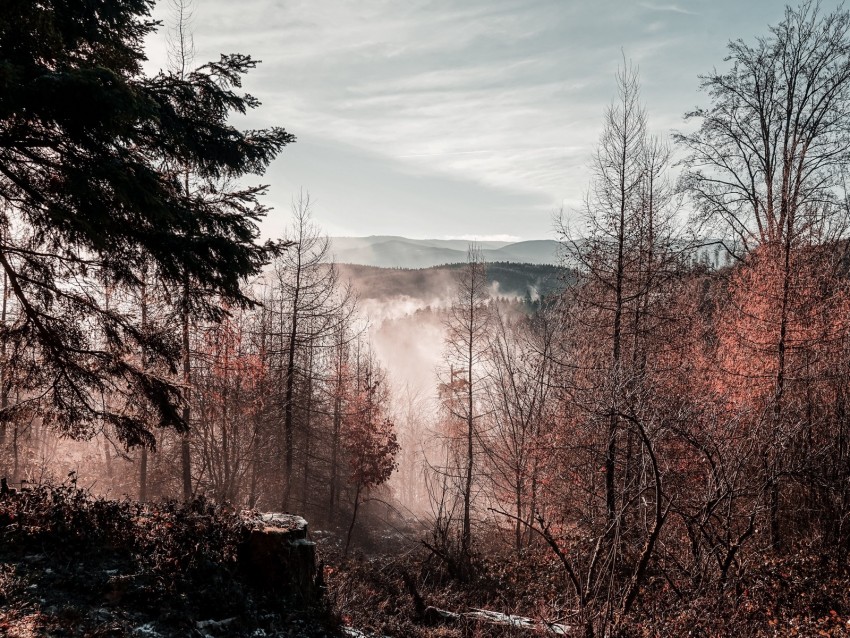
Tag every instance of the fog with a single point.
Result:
(401, 314)
(405, 312)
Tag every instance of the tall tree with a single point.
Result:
(181, 56)
(767, 167)
(614, 353)
(465, 347)
(370, 438)
(519, 370)
(86, 142)
(607, 255)
(314, 306)
(768, 158)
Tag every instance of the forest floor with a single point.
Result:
(66, 593)
(803, 593)
(75, 566)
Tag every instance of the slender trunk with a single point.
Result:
(252, 489)
(143, 463)
(185, 454)
(4, 375)
(353, 517)
(107, 457)
(225, 431)
(639, 574)
(155, 461)
(143, 476)
(290, 390)
(257, 412)
(841, 473)
(254, 461)
(15, 455)
(466, 537)
(288, 419)
(774, 464)
(337, 423)
(532, 505)
(307, 433)
(613, 422)
(518, 524)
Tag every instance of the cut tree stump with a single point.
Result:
(277, 555)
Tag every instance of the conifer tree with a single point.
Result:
(86, 145)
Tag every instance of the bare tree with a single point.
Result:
(606, 255)
(771, 149)
(614, 358)
(181, 55)
(519, 369)
(767, 167)
(314, 304)
(465, 348)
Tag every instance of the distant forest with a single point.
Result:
(512, 280)
(660, 447)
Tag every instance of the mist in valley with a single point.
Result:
(607, 398)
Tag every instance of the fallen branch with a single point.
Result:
(442, 616)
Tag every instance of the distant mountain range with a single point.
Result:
(387, 251)
(400, 252)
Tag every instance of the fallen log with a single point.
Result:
(434, 615)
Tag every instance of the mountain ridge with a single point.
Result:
(392, 251)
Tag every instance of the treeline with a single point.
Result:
(429, 284)
(665, 425)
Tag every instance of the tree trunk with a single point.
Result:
(4, 373)
(774, 465)
(290, 392)
(143, 476)
(185, 453)
(143, 463)
(337, 423)
(466, 536)
(307, 433)
(353, 518)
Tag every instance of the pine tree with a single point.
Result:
(87, 146)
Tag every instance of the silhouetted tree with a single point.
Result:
(86, 145)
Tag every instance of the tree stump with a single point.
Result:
(277, 555)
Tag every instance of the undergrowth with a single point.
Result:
(798, 594)
(72, 564)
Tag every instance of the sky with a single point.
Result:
(455, 119)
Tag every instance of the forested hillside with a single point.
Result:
(504, 279)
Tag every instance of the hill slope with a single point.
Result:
(427, 284)
(401, 252)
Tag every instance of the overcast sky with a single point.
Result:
(437, 119)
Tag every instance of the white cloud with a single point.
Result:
(428, 84)
(672, 8)
(505, 95)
